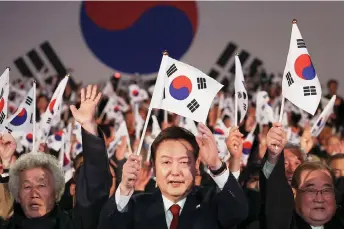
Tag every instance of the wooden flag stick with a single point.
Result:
(165, 116)
(144, 132)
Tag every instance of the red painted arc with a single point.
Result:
(115, 15)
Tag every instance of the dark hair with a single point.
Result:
(175, 133)
(311, 166)
(335, 157)
(332, 81)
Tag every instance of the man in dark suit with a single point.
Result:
(310, 201)
(178, 203)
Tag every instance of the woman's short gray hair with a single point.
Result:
(36, 160)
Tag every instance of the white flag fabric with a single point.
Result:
(322, 119)
(22, 120)
(190, 126)
(55, 141)
(108, 90)
(300, 84)
(155, 127)
(264, 112)
(184, 90)
(4, 91)
(247, 146)
(121, 131)
(240, 92)
(220, 135)
(115, 107)
(137, 94)
(139, 122)
(54, 109)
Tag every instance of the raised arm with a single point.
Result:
(94, 179)
(276, 195)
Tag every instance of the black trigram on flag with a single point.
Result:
(193, 105)
(33, 61)
(31, 119)
(244, 106)
(8, 129)
(289, 79)
(2, 117)
(300, 43)
(171, 70)
(49, 121)
(201, 83)
(28, 101)
(309, 90)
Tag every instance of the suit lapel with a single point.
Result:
(156, 212)
(186, 216)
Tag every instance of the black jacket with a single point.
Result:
(92, 191)
(278, 208)
(204, 208)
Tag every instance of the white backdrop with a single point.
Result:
(262, 28)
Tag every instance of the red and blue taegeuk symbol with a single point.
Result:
(218, 131)
(78, 146)
(247, 146)
(304, 67)
(29, 137)
(2, 104)
(2, 100)
(135, 92)
(180, 87)
(20, 118)
(58, 135)
(51, 106)
(131, 36)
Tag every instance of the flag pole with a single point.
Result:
(146, 122)
(236, 109)
(34, 117)
(143, 132)
(282, 110)
(165, 116)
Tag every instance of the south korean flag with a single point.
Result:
(300, 84)
(184, 90)
(4, 90)
(241, 98)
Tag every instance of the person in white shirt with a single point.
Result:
(178, 203)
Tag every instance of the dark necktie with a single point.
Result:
(175, 212)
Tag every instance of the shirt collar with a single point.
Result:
(319, 227)
(168, 203)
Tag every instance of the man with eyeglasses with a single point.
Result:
(309, 203)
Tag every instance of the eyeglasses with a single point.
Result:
(312, 192)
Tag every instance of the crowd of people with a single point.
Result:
(177, 180)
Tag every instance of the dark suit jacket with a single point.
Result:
(204, 208)
(278, 209)
(92, 191)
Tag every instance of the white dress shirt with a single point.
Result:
(122, 200)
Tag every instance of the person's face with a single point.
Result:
(36, 192)
(42, 103)
(227, 122)
(291, 162)
(175, 169)
(314, 207)
(333, 145)
(338, 167)
(332, 88)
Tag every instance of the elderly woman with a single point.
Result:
(36, 180)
